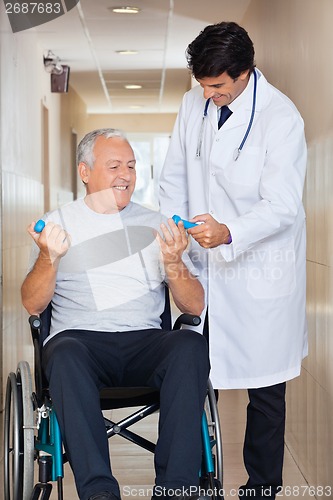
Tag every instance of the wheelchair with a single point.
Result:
(32, 434)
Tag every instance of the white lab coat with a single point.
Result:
(255, 286)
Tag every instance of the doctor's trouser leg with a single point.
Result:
(78, 364)
(264, 441)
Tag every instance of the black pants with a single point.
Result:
(264, 441)
(78, 364)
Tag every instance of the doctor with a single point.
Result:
(243, 181)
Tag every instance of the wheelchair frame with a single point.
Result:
(31, 430)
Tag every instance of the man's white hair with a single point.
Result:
(85, 148)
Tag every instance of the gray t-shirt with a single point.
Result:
(112, 277)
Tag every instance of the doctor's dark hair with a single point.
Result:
(219, 48)
(85, 148)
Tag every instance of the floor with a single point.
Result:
(133, 467)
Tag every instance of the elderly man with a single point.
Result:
(103, 262)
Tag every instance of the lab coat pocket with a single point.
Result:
(271, 271)
(246, 170)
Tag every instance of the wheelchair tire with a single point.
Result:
(24, 377)
(19, 435)
(215, 432)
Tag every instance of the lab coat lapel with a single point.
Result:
(238, 118)
(212, 115)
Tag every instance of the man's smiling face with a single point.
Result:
(111, 180)
(223, 89)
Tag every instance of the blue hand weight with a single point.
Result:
(39, 226)
(187, 224)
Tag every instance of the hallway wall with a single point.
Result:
(293, 41)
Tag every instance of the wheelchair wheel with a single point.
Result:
(212, 483)
(215, 431)
(19, 435)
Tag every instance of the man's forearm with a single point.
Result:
(38, 287)
(186, 289)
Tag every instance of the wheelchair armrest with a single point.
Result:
(35, 326)
(186, 319)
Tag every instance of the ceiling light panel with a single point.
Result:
(125, 10)
(127, 52)
(132, 86)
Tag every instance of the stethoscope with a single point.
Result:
(238, 150)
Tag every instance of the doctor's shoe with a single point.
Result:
(104, 495)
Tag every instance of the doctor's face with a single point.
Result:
(223, 89)
(111, 180)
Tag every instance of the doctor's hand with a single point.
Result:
(211, 234)
(53, 241)
(173, 243)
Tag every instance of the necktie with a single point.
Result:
(225, 113)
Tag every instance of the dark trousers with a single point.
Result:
(264, 441)
(78, 364)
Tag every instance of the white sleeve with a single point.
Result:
(173, 196)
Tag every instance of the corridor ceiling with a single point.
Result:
(89, 37)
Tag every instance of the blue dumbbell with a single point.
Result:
(187, 224)
(39, 226)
